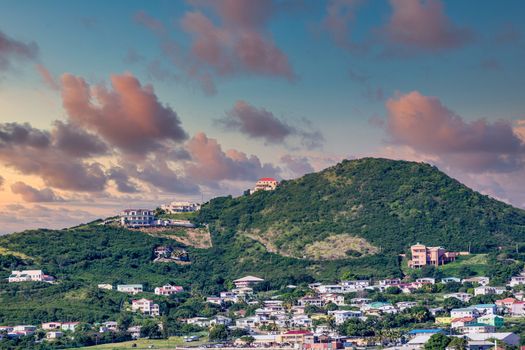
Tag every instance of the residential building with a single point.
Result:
(105, 286)
(29, 276)
(247, 281)
(54, 335)
(481, 280)
(265, 184)
(137, 217)
(314, 301)
(492, 320)
(485, 309)
(518, 308)
(488, 290)
(168, 290)
(436, 256)
(336, 299)
(180, 207)
(462, 322)
(293, 337)
(505, 303)
(507, 337)
(134, 332)
(130, 288)
(477, 327)
(464, 297)
(464, 312)
(517, 280)
(69, 326)
(426, 280)
(341, 316)
(214, 300)
(145, 307)
(51, 326)
(450, 280)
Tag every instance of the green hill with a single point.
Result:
(361, 207)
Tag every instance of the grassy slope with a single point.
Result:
(170, 343)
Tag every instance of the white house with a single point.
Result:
(315, 301)
(465, 297)
(137, 217)
(130, 288)
(488, 290)
(464, 312)
(145, 307)
(180, 207)
(481, 280)
(506, 337)
(54, 335)
(105, 286)
(168, 290)
(48, 326)
(69, 326)
(341, 316)
(517, 281)
(247, 281)
(29, 276)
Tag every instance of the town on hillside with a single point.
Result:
(396, 313)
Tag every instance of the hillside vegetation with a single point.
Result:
(388, 204)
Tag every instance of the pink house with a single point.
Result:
(168, 290)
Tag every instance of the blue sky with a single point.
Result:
(464, 59)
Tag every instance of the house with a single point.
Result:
(247, 281)
(464, 312)
(130, 288)
(145, 307)
(505, 303)
(464, 297)
(29, 276)
(134, 332)
(444, 320)
(492, 320)
(110, 326)
(507, 337)
(428, 331)
(436, 256)
(477, 327)
(462, 322)
(69, 326)
(403, 305)
(352, 286)
(450, 280)
(340, 316)
(517, 280)
(481, 280)
(168, 290)
(389, 282)
(137, 217)
(293, 337)
(180, 207)
(378, 307)
(314, 301)
(54, 335)
(214, 300)
(198, 321)
(226, 321)
(26, 329)
(105, 286)
(487, 290)
(426, 280)
(48, 326)
(265, 184)
(518, 308)
(485, 309)
(247, 322)
(336, 299)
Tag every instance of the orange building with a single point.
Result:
(436, 256)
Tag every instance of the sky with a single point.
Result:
(108, 105)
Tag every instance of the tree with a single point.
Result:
(438, 341)
(219, 333)
(458, 343)
(248, 339)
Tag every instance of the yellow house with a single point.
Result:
(318, 316)
(443, 320)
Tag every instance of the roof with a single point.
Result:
(426, 331)
(298, 331)
(420, 339)
(249, 279)
(267, 179)
(483, 305)
(485, 336)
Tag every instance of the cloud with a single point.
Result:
(129, 117)
(12, 51)
(298, 166)
(122, 180)
(47, 77)
(76, 142)
(423, 26)
(211, 164)
(340, 16)
(260, 123)
(149, 22)
(426, 125)
(33, 195)
(35, 152)
(2, 180)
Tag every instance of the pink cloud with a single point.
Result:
(423, 25)
(340, 16)
(129, 116)
(12, 51)
(211, 164)
(426, 125)
(47, 77)
(33, 195)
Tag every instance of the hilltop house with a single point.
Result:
(180, 207)
(29, 276)
(137, 217)
(130, 288)
(436, 256)
(265, 184)
(247, 281)
(168, 290)
(145, 307)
